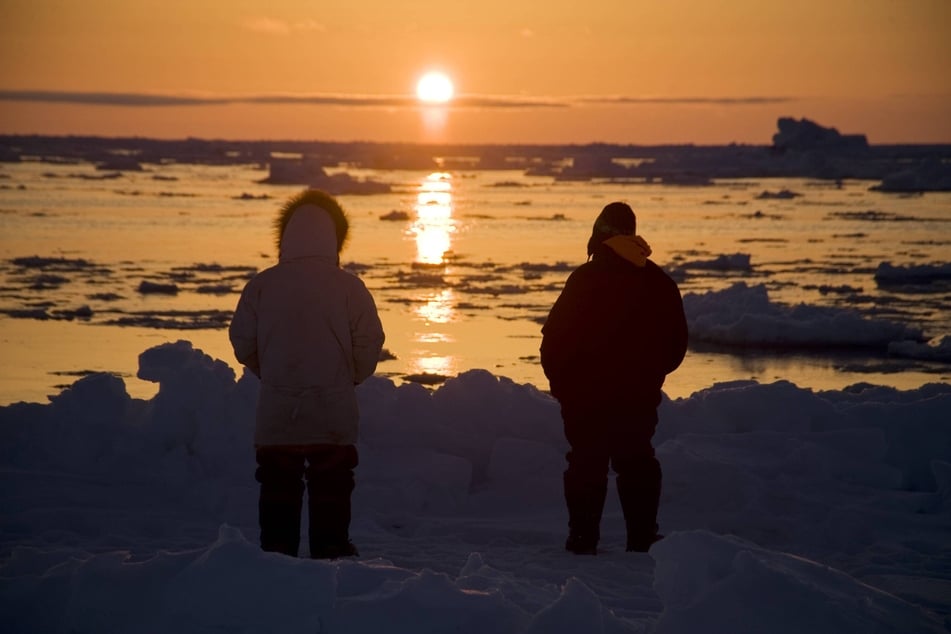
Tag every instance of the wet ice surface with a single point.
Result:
(66, 289)
(826, 283)
(891, 328)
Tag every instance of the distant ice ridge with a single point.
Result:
(739, 262)
(785, 510)
(743, 315)
(888, 273)
(939, 350)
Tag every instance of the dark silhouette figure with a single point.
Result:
(613, 335)
(310, 331)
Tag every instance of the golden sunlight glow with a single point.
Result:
(858, 65)
(437, 308)
(434, 87)
(443, 365)
(434, 224)
(432, 231)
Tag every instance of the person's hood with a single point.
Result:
(312, 224)
(634, 249)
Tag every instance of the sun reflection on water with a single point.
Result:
(434, 224)
(441, 365)
(432, 231)
(437, 308)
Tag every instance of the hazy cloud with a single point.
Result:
(143, 100)
(262, 24)
(717, 101)
(505, 101)
(308, 25)
(158, 100)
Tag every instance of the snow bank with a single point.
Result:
(785, 510)
(744, 316)
(713, 583)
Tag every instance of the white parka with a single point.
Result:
(310, 331)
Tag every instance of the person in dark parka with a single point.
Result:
(613, 335)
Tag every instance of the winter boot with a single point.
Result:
(279, 516)
(581, 544)
(334, 551)
(585, 501)
(330, 484)
(642, 545)
(638, 487)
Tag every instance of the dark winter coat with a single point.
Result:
(614, 334)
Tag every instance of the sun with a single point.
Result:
(434, 87)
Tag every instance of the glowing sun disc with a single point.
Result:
(434, 87)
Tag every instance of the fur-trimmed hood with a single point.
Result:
(311, 224)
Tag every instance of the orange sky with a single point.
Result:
(558, 71)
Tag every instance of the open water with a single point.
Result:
(464, 266)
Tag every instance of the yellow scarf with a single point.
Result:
(632, 248)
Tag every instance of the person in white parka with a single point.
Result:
(311, 332)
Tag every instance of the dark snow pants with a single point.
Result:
(329, 474)
(620, 438)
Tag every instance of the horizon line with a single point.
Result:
(549, 144)
(160, 100)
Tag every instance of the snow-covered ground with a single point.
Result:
(784, 509)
